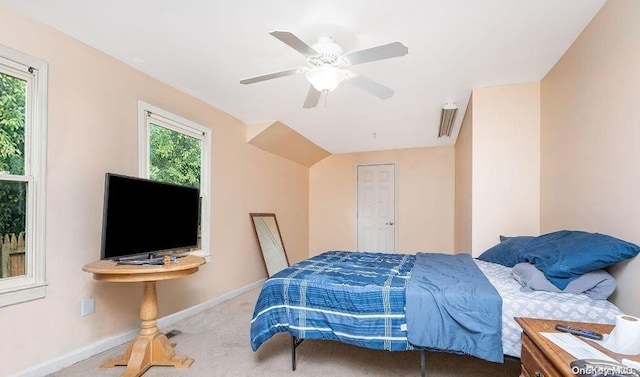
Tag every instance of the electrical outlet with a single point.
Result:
(87, 306)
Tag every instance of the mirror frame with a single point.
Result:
(284, 250)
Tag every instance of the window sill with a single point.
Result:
(202, 253)
(17, 295)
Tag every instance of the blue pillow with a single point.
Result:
(565, 255)
(507, 252)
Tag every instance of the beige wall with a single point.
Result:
(279, 139)
(424, 191)
(506, 163)
(591, 137)
(464, 180)
(92, 130)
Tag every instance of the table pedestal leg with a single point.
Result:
(151, 347)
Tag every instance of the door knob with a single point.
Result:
(389, 223)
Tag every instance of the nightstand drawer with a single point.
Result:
(534, 363)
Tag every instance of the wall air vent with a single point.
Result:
(447, 118)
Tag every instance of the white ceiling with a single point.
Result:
(205, 48)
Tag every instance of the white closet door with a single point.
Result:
(376, 208)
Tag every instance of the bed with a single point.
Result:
(359, 298)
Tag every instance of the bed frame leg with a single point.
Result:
(293, 353)
(423, 366)
(295, 342)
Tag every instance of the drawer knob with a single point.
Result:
(539, 374)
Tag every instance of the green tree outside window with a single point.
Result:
(174, 157)
(12, 120)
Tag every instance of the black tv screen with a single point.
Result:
(144, 216)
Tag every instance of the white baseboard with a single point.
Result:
(54, 365)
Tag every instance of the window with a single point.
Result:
(23, 125)
(176, 150)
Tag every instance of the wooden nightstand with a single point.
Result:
(542, 358)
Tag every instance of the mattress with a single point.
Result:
(540, 304)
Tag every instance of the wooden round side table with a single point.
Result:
(151, 347)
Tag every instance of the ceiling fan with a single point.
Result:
(328, 66)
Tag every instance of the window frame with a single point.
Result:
(147, 114)
(32, 285)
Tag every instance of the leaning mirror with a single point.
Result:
(270, 241)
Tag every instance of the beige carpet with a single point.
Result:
(218, 340)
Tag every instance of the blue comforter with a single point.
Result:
(352, 297)
(451, 306)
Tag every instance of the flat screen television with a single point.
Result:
(142, 217)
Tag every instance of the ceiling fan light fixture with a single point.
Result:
(447, 118)
(326, 78)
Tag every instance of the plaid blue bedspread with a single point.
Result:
(352, 297)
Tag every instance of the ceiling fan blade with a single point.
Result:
(390, 50)
(270, 76)
(313, 97)
(371, 86)
(294, 42)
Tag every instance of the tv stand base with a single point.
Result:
(147, 351)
